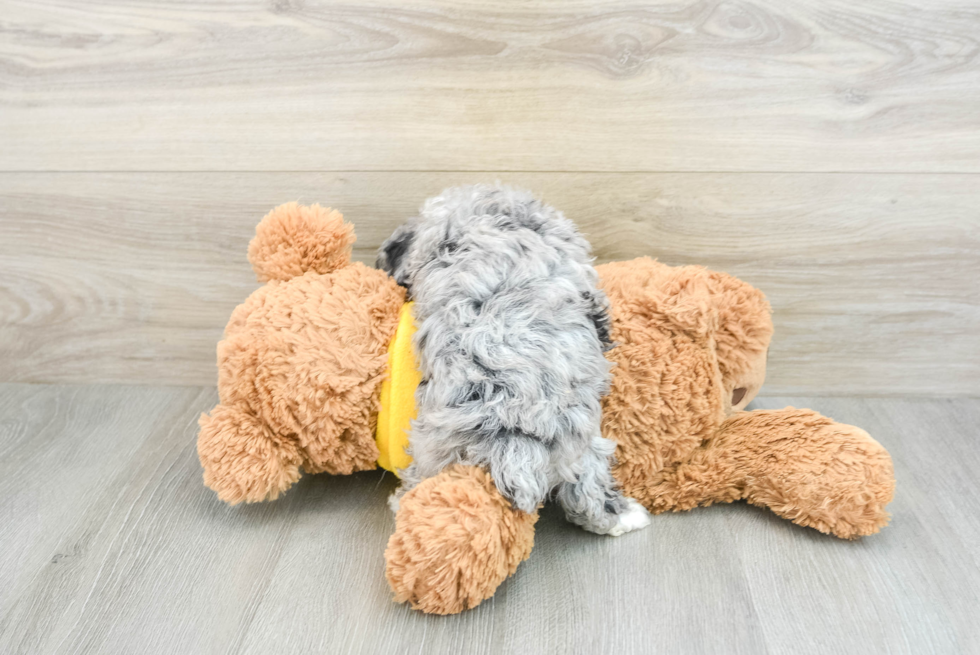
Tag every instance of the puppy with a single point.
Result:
(511, 334)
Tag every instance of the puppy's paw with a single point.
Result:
(634, 517)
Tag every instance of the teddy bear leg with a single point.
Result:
(706, 479)
(801, 465)
(243, 458)
(804, 467)
(456, 539)
(812, 470)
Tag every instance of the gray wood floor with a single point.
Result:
(110, 544)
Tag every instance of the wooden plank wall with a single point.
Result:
(826, 151)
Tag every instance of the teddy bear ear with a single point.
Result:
(293, 239)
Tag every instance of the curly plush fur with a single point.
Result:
(458, 527)
(299, 379)
(691, 354)
(510, 341)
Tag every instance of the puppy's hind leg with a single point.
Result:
(592, 500)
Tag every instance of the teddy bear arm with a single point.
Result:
(244, 459)
(456, 540)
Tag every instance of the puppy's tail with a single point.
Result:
(293, 239)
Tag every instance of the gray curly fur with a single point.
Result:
(511, 333)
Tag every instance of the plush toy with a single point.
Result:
(316, 373)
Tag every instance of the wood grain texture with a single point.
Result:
(132, 277)
(670, 85)
(113, 545)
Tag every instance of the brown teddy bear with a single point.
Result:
(300, 374)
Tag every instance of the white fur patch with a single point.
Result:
(636, 517)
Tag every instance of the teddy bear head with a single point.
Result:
(301, 361)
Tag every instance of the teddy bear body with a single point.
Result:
(691, 353)
(300, 371)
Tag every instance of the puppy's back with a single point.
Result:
(511, 324)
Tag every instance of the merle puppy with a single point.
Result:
(511, 333)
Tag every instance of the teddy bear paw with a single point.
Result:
(456, 540)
